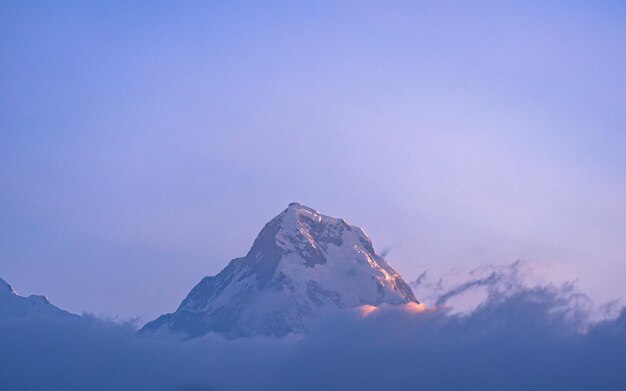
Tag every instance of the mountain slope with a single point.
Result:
(301, 265)
(14, 306)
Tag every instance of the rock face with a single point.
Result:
(301, 265)
(14, 306)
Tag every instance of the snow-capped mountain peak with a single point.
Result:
(301, 265)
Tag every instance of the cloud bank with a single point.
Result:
(535, 338)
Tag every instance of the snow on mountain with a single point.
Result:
(14, 306)
(302, 264)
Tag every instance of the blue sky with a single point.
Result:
(143, 146)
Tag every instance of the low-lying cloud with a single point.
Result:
(535, 338)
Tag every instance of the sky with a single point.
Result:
(144, 145)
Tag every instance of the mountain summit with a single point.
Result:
(301, 265)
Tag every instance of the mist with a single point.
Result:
(536, 337)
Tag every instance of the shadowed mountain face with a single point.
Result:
(301, 265)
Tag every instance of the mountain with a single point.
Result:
(14, 306)
(301, 265)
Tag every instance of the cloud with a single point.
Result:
(533, 338)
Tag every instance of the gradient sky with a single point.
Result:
(143, 146)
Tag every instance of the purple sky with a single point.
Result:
(144, 146)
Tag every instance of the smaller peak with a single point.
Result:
(39, 298)
(294, 204)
